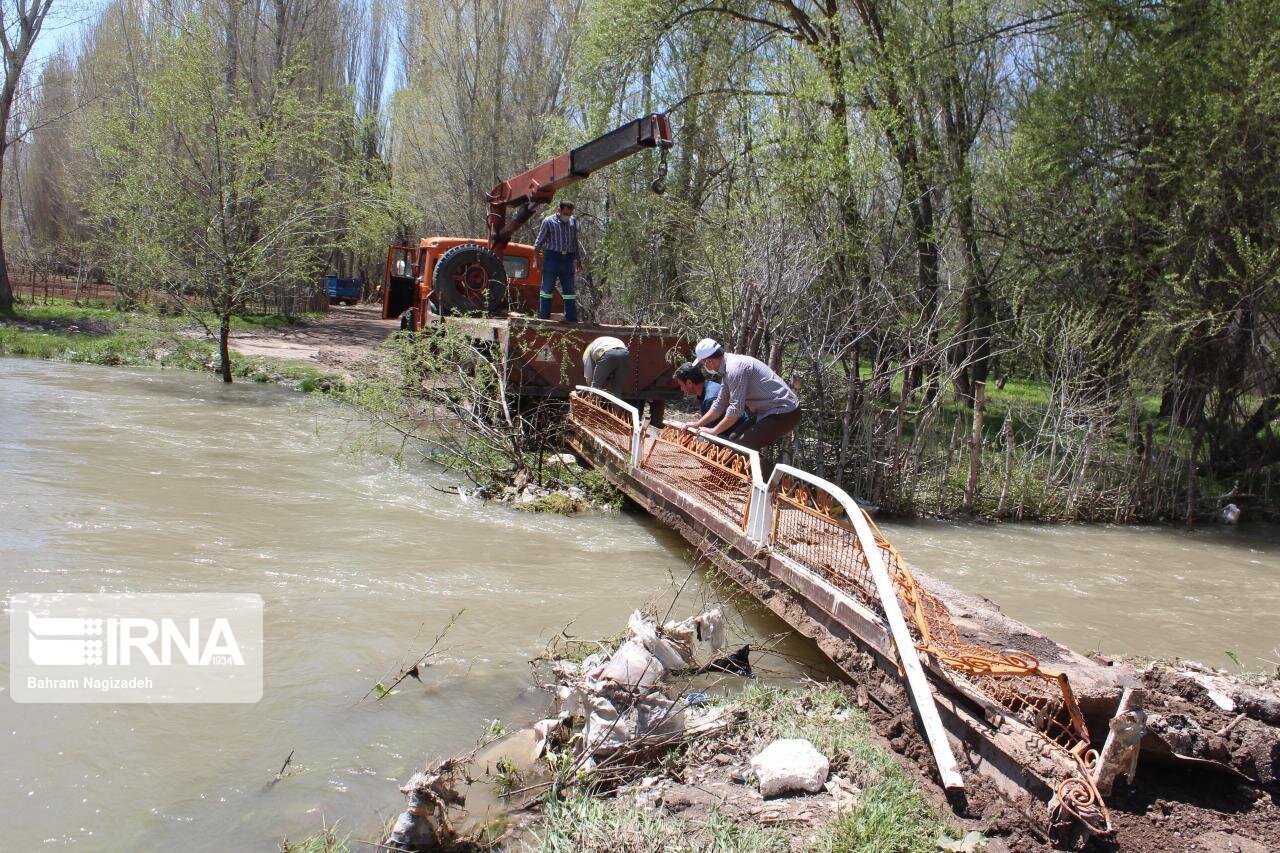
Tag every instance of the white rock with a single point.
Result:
(788, 765)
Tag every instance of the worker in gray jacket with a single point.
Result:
(605, 364)
(747, 384)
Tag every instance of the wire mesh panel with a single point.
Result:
(810, 526)
(1012, 679)
(716, 476)
(603, 419)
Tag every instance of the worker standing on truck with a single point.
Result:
(748, 384)
(604, 364)
(558, 242)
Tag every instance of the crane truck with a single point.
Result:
(488, 288)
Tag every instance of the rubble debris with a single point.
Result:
(790, 765)
(425, 824)
(1205, 717)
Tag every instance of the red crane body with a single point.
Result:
(513, 201)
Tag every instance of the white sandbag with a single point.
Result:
(652, 718)
(699, 638)
(633, 666)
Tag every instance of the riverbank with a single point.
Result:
(326, 352)
(330, 354)
(665, 739)
(99, 334)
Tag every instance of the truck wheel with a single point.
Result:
(471, 279)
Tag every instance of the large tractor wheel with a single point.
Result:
(471, 280)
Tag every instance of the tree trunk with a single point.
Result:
(975, 445)
(224, 351)
(6, 291)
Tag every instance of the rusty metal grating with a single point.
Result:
(804, 529)
(603, 419)
(716, 476)
(809, 527)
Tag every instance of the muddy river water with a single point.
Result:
(142, 481)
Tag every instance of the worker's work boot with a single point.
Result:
(544, 306)
(570, 308)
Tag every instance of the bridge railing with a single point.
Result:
(719, 474)
(817, 525)
(614, 422)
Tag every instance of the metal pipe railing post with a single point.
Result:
(917, 682)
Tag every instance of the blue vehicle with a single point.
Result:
(344, 290)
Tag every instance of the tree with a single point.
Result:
(1148, 151)
(20, 24)
(215, 195)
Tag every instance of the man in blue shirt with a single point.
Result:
(693, 382)
(558, 242)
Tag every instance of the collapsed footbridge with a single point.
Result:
(995, 701)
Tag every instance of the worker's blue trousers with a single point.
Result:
(557, 266)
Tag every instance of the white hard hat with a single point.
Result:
(706, 348)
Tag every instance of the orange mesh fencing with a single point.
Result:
(716, 476)
(810, 526)
(604, 419)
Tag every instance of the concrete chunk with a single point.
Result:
(789, 765)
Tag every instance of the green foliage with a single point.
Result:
(326, 840)
(211, 193)
(137, 338)
(891, 816)
(585, 823)
(557, 503)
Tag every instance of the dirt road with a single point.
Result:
(337, 340)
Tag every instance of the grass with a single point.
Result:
(891, 817)
(891, 814)
(326, 840)
(139, 338)
(585, 823)
(65, 311)
(130, 347)
(556, 502)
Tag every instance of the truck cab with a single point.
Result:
(420, 290)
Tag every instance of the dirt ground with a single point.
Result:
(338, 339)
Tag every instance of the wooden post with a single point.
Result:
(1008, 463)
(975, 445)
(1120, 751)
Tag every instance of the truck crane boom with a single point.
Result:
(513, 201)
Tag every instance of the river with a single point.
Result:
(118, 480)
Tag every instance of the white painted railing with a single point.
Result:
(629, 409)
(888, 595)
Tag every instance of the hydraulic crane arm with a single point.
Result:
(512, 202)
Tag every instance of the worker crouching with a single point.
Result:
(747, 385)
(605, 363)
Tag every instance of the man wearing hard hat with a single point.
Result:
(747, 385)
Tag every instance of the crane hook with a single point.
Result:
(659, 184)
